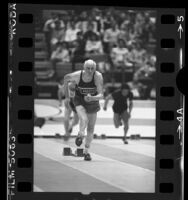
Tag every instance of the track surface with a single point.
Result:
(115, 167)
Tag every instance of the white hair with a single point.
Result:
(90, 63)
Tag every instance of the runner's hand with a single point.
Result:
(105, 108)
(88, 98)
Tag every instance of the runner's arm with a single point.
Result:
(99, 84)
(71, 77)
(106, 101)
(130, 103)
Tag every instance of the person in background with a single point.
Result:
(144, 78)
(119, 54)
(122, 107)
(60, 92)
(93, 45)
(90, 32)
(47, 29)
(60, 54)
(78, 53)
(69, 108)
(71, 34)
(111, 36)
(58, 34)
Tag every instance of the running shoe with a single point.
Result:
(66, 137)
(78, 140)
(70, 130)
(87, 157)
(125, 141)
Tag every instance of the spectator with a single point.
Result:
(58, 34)
(107, 20)
(79, 50)
(97, 16)
(138, 54)
(82, 23)
(119, 54)
(144, 78)
(48, 27)
(123, 34)
(111, 36)
(90, 32)
(94, 45)
(60, 54)
(71, 33)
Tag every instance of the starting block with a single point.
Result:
(79, 152)
(103, 136)
(135, 137)
(94, 135)
(57, 135)
(67, 151)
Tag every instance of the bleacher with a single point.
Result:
(44, 72)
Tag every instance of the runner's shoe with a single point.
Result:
(87, 157)
(66, 137)
(78, 140)
(70, 130)
(125, 141)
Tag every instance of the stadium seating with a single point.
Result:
(62, 69)
(40, 55)
(98, 57)
(43, 65)
(78, 66)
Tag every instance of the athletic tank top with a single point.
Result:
(85, 88)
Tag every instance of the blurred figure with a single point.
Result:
(90, 32)
(122, 107)
(58, 34)
(138, 54)
(69, 108)
(48, 27)
(82, 23)
(78, 53)
(144, 78)
(111, 36)
(60, 54)
(60, 92)
(93, 45)
(119, 54)
(71, 34)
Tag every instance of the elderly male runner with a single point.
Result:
(88, 92)
(121, 110)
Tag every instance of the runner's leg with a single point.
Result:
(82, 115)
(125, 117)
(117, 120)
(90, 130)
(67, 114)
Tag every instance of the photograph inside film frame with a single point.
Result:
(95, 100)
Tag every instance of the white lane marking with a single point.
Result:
(108, 130)
(137, 113)
(128, 177)
(37, 189)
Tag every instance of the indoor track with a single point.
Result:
(115, 167)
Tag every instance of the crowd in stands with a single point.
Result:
(122, 35)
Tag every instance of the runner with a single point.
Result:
(121, 109)
(69, 108)
(88, 91)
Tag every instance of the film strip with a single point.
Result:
(169, 159)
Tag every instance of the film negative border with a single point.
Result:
(168, 150)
